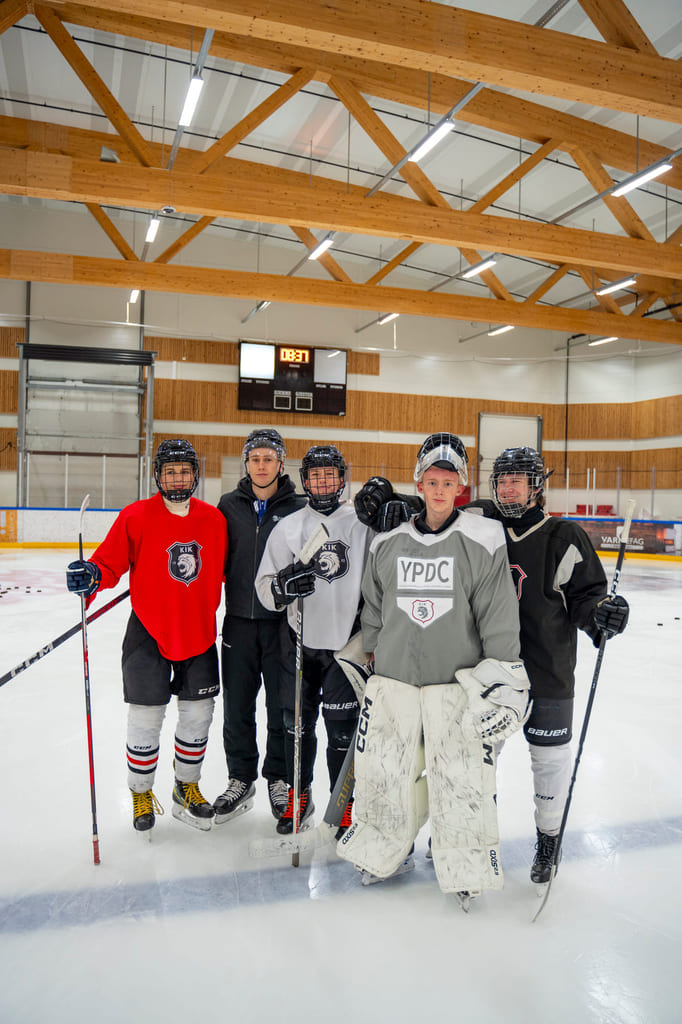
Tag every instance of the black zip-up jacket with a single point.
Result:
(246, 541)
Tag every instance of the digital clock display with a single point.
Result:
(294, 355)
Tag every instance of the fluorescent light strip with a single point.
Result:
(616, 286)
(603, 341)
(134, 296)
(385, 317)
(191, 99)
(478, 268)
(431, 140)
(640, 179)
(501, 330)
(321, 247)
(152, 229)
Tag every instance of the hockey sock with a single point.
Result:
(191, 737)
(142, 745)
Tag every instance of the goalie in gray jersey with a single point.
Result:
(441, 619)
(330, 585)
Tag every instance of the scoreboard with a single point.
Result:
(292, 378)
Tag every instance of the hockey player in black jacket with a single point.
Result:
(561, 588)
(250, 644)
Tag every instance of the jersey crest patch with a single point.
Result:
(331, 562)
(184, 561)
(518, 576)
(424, 610)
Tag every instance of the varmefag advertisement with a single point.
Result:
(646, 536)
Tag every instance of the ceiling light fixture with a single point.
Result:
(630, 184)
(603, 341)
(322, 247)
(625, 282)
(385, 317)
(152, 230)
(196, 84)
(431, 140)
(134, 296)
(478, 268)
(501, 330)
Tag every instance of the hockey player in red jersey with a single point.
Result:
(174, 546)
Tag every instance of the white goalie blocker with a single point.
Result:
(498, 696)
(412, 761)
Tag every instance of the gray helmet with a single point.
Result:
(176, 450)
(523, 461)
(445, 451)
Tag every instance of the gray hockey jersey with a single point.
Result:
(329, 613)
(438, 602)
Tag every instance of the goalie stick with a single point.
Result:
(308, 552)
(624, 535)
(62, 638)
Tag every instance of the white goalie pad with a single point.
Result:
(390, 790)
(498, 698)
(356, 664)
(462, 795)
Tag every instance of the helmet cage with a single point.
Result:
(442, 447)
(518, 462)
(320, 457)
(264, 438)
(176, 450)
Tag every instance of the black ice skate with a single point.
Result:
(145, 806)
(545, 851)
(465, 897)
(285, 825)
(278, 794)
(190, 807)
(236, 800)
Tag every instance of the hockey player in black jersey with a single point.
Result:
(561, 588)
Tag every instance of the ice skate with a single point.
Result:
(545, 851)
(235, 801)
(346, 820)
(429, 851)
(278, 795)
(190, 807)
(465, 898)
(407, 865)
(145, 807)
(285, 825)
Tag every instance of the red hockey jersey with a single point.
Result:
(176, 568)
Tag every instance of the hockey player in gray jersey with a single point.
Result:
(441, 619)
(331, 588)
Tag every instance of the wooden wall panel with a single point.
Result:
(10, 337)
(9, 391)
(226, 353)
(8, 449)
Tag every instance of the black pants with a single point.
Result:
(250, 651)
(324, 682)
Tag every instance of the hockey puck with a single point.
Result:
(659, 623)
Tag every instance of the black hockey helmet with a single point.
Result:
(444, 451)
(523, 461)
(319, 457)
(264, 437)
(176, 450)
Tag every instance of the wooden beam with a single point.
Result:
(617, 25)
(620, 207)
(395, 262)
(326, 259)
(60, 268)
(93, 83)
(326, 205)
(111, 231)
(12, 11)
(444, 40)
(548, 284)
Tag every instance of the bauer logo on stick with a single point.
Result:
(184, 561)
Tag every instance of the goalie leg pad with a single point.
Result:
(462, 791)
(388, 762)
(498, 694)
(551, 779)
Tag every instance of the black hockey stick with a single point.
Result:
(86, 681)
(624, 535)
(58, 641)
(308, 552)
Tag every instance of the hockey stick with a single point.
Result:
(308, 552)
(58, 641)
(86, 680)
(624, 535)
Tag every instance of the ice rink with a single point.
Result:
(189, 927)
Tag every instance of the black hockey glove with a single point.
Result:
(295, 580)
(611, 615)
(83, 578)
(369, 499)
(392, 514)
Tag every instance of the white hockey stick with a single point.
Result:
(308, 552)
(624, 535)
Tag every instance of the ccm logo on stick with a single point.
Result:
(425, 573)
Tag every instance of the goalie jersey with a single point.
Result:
(438, 602)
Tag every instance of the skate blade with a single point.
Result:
(541, 889)
(221, 819)
(370, 879)
(465, 899)
(145, 834)
(203, 824)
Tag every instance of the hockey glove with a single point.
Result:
(83, 578)
(370, 498)
(295, 580)
(611, 615)
(498, 695)
(392, 514)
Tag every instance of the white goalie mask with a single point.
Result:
(442, 448)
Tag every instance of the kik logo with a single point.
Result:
(184, 561)
(332, 562)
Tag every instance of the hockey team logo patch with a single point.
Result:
(518, 576)
(184, 561)
(332, 562)
(424, 610)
